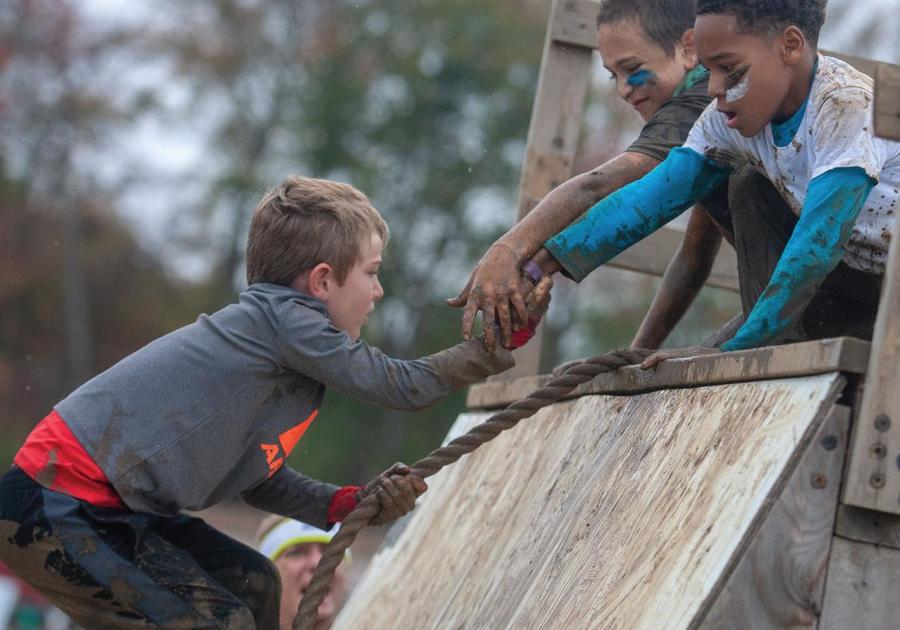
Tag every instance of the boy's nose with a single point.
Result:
(715, 88)
(379, 290)
(623, 88)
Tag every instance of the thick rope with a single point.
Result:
(369, 507)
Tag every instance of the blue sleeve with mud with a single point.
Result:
(635, 211)
(833, 202)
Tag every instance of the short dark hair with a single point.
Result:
(664, 21)
(771, 16)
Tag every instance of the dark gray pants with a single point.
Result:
(118, 569)
(847, 301)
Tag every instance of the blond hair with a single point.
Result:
(307, 221)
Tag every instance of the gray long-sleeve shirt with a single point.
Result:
(212, 410)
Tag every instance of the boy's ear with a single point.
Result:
(793, 46)
(320, 281)
(689, 50)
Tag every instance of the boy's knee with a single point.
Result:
(744, 186)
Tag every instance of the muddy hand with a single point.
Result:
(676, 353)
(397, 489)
(495, 290)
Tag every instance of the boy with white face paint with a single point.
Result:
(804, 122)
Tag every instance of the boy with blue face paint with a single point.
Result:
(647, 46)
(804, 121)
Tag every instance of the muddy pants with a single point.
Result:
(117, 569)
(761, 221)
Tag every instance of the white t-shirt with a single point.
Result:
(836, 132)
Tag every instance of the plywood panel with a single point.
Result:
(862, 587)
(779, 582)
(602, 512)
(843, 354)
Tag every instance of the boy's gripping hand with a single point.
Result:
(396, 488)
(497, 289)
(536, 305)
(494, 287)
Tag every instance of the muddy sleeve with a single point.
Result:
(833, 202)
(635, 211)
(290, 494)
(312, 346)
(669, 127)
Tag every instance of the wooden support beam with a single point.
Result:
(780, 580)
(575, 23)
(887, 101)
(861, 591)
(653, 254)
(868, 526)
(552, 134)
(843, 354)
(873, 478)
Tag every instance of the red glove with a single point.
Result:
(396, 489)
(342, 503)
(536, 303)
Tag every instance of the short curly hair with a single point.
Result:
(771, 16)
(664, 21)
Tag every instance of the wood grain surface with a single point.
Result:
(602, 512)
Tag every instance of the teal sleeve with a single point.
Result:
(635, 211)
(833, 202)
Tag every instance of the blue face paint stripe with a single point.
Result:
(640, 78)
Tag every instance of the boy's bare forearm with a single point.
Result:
(682, 281)
(568, 201)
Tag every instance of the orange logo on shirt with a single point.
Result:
(276, 453)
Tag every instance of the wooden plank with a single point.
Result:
(864, 65)
(868, 526)
(873, 479)
(653, 254)
(575, 23)
(603, 512)
(552, 141)
(780, 580)
(862, 587)
(887, 101)
(843, 354)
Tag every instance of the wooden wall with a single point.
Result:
(601, 512)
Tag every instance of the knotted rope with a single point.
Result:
(369, 507)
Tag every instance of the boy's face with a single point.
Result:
(749, 75)
(350, 303)
(646, 77)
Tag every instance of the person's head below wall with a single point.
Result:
(304, 222)
(295, 548)
(647, 45)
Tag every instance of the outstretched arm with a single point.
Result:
(636, 211)
(495, 288)
(833, 203)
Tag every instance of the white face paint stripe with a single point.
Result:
(739, 91)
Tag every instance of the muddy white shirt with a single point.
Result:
(836, 132)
